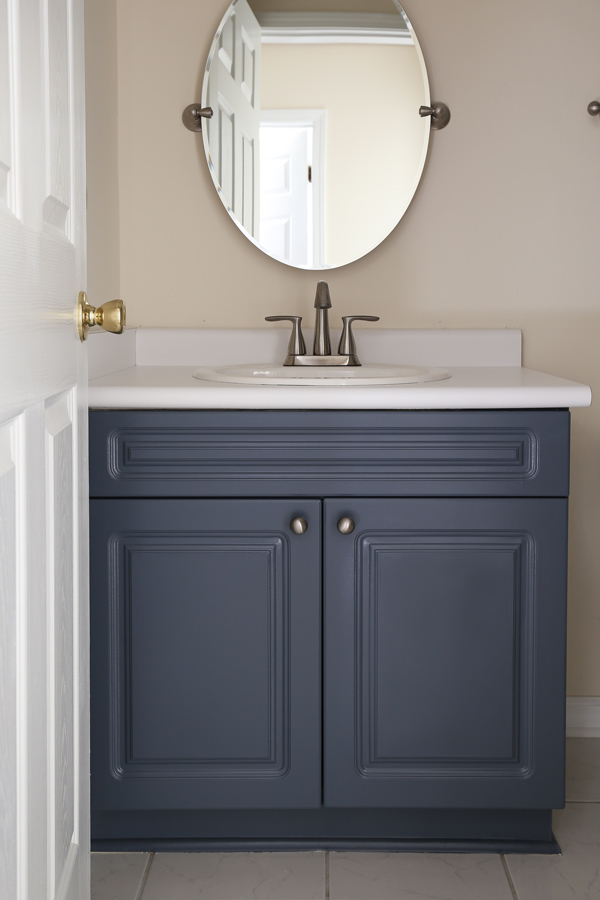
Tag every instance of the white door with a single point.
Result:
(44, 805)
(233, 132)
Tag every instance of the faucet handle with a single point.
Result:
(347, 344)
(296, 346)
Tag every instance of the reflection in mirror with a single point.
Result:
(316, 146)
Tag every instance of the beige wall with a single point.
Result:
(371, 93)
(504, 230)
(104, 275)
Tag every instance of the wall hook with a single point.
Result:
(440, 115)
(193, 115)
(594, 108)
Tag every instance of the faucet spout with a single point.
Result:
(323, 297)
(322, 343)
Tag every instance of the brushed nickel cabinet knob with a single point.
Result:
(346, 525)
(299, 525)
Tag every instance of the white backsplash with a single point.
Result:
(221, 347)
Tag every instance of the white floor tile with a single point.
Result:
(117, 876)
(573, 876)
(417, 876)
(583, 769)
(236, 876)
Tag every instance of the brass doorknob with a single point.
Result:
(299, 525)
(111, 316)
(346, 525)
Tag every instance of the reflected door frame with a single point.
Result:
(316, 120)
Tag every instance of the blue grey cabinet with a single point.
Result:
(445, 653)
(206, 653)
(434, 632)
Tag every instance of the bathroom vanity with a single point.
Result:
(329, 627)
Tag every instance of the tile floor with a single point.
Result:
(380, 876)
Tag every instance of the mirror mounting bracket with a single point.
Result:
(193, 115)
(440, 115)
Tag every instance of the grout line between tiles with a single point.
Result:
(327, 875)
(145, 874)
(511, 883)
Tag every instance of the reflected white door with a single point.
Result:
(285, 198)
(292, 185)
(234, 95)
(44, 806)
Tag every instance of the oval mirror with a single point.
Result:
(316, 146)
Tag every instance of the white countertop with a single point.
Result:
(152, 369)
(473, 387)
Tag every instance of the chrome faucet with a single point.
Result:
(322, 356)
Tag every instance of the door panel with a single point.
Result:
(7, 105)
(9, 630)
(62, 673)
(233, 132)
(284, 211)
(444, 656)
(57, 203)
(208, 613)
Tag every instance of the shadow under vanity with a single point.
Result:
(393, 683)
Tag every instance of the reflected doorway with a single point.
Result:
(292, 185)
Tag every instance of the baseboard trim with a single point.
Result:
(583, 717)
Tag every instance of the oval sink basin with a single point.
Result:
(320, 375)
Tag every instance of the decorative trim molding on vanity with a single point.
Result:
(321, 453)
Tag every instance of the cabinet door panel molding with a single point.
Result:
(203, 625)
(447, 620)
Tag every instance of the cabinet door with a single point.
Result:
(445, 653)
(206, 643)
